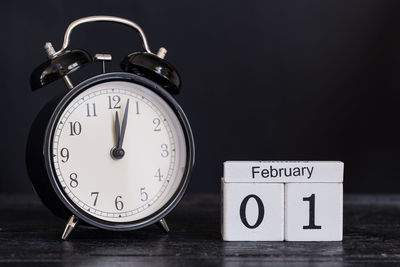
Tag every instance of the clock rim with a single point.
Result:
(189, 141)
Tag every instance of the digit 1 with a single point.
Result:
(137, 107)
(311, 222)
(243, 206)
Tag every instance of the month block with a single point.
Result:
(252, 211)
(313, 211)
(283, 171)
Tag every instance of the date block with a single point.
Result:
(252, 211)
(313, 211)
(282, 200)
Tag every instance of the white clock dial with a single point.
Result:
(149, 173)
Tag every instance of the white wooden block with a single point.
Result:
(252, 212)
(314, 212)
(283, 171)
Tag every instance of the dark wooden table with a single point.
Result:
(29, 234)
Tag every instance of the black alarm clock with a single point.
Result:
(115, 151)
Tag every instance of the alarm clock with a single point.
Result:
(115, 151)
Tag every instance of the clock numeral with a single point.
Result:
(137, 107)
(95, 198)
(158, 175)
(114, 102)
(75, 128)
(74, 180)
(91, 110)
(64, 153)
(164, 152)
(311, 218)
(119, 205)
(261, 211)
(157, 123)
(143, 195)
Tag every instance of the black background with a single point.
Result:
(262, 80)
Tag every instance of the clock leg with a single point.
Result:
(163, 225)
(72, 222)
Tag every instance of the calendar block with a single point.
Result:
(283, 171)
(252, 211)
(313, 211)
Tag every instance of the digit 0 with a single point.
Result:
(261, 211)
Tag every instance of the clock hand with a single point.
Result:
(117, 129)
(116, 151)
(124, 122)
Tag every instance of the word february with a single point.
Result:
(283, 171)
(272, 172)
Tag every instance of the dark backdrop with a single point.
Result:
(270, 80)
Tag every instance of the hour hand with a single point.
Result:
(117, 129)
(117, 152)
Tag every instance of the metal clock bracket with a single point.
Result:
(163, 225)
(72, 222)
(63, 62)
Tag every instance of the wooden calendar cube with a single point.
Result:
(313, 211)
(252, 212)
(254, 208)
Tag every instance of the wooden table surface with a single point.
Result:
(30, 235)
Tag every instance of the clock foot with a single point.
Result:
(72, 222)
(163, 225)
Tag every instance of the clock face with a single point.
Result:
(118, 152)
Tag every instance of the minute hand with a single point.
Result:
(124, 122)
